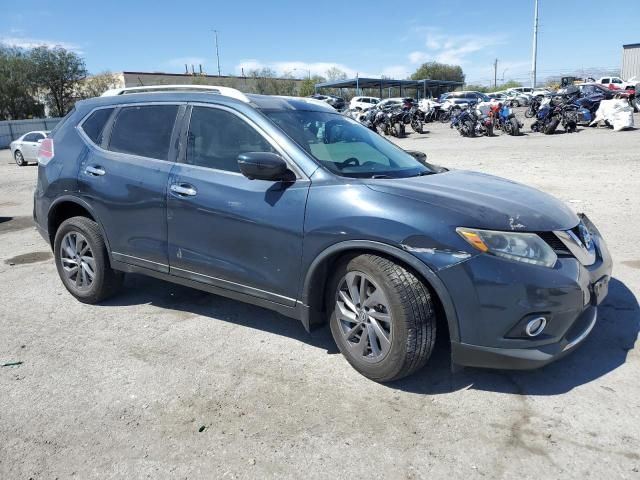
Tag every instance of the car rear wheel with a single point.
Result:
(82, 261)
(382, 317)
(19, 158)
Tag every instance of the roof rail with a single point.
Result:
(226, 91)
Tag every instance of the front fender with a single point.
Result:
(319, 263)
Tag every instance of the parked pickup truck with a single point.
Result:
(616, 83)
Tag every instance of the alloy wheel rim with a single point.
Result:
(364, 317)
(19, 158)
(78, 262)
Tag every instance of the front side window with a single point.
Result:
(144, 131)
(605, 80)
(216, 138)
(344, 146)
(94, 125)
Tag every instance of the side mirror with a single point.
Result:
(420, 156)
(263, 166)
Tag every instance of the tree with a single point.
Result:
(57, 71)
(96, 85)
(334, 73)
(17, 98)
(308, 85)
(439, 71)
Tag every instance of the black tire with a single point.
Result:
(489, 130)
(417, 126)
(515, 103)
(413, 318)
(529, 113)
(19, 158)
(397, 129)
(550, 127)
(515, 127)
(571, 127)
(106, 281)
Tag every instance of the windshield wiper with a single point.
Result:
(422, 174)
(381, 176)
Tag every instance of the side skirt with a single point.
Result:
(299, 311)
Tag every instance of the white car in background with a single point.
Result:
(25, 149)
(363, 103)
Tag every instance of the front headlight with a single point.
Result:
(518, 246)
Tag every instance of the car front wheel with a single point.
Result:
(19, 158)
(382, 317)
(82, 261)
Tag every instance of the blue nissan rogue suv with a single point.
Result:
(284, 203)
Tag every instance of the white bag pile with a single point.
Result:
(617, 113)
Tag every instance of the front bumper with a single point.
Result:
(493, 297)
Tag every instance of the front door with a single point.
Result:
(224, 229)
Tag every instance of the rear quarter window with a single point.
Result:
(93, 126)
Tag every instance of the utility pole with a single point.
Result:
(495, 74)
(217, 51)
(534, 57)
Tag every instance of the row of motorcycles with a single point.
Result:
(482, 119)
(567, 108)
(393, 119)
(468, 118)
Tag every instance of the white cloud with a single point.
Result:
(24, 42)
(396, 71)
(419, 57)
(456, 49)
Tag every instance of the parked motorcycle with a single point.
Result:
(415, 118)
(465, 121)
(485, 124)
(390, 121)
(554, 111)
(534, 106)
(504, 119)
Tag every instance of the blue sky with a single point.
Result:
(370, 38)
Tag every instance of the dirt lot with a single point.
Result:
(168, 382)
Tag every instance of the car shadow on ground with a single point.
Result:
(140, 289)
(604, 350)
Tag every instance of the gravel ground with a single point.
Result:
(168, 382)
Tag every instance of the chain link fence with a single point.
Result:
(12, 129)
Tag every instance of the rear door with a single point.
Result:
(124, 177)
(224, 229)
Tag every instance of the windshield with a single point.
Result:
(345, 147)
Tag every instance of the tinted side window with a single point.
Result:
(144, 131)
(94, 125)
(217, 137)
(32, 137)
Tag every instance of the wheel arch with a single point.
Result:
(68, 206)
(319, 272)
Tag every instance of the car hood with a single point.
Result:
(484, 201)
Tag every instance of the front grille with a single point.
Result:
(555, 243)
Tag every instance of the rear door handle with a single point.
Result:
(94, 171)
(183, 189)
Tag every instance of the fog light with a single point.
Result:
(535, 326)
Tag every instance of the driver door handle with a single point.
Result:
(94, 171)
(183, 189)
